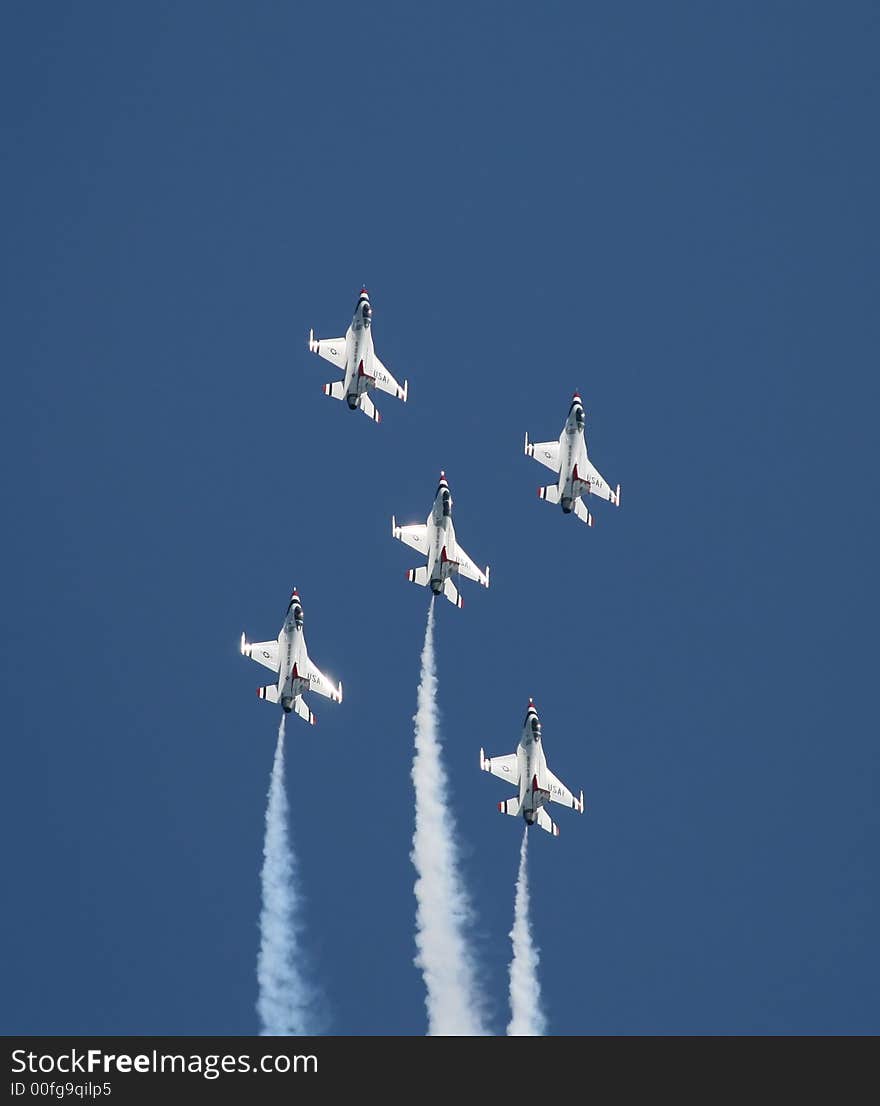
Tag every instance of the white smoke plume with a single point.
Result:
(455, 1005)
(526, 1017)
(286, 1001)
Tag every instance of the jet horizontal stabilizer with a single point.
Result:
(583, 512)
(451, 593)
(509, 806)
(544, 820)
(303, 711)
(369, 408)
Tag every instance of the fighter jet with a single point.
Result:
(577, 475)
(436, 539)
(355, 356)
(289, 659)
(527, 770)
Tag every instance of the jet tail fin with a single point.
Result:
(544, 820)
(269, 693)
(579, 486)
(418, 575)
(451, 593)
(299, 683)
(509, 806)
(550, 493)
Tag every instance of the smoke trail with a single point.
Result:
(455, 1007)
(285, 1002)
(526, 1017)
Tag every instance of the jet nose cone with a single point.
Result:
(442, 477)
(531, 705)
(576, 398)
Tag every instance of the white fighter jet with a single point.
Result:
(288, 657)
(578, 476)
(436, 539)
(355, 356)
(527, 770)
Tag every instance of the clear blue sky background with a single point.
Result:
(672, 208)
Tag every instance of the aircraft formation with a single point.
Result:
(578, 479)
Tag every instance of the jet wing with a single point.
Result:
(598, 484)
(385, 381)
(331, 349)
(263, 652)
(416, 537)
(467, 568)
(505, 768)
(319, 682)
(559, 793)
(545, 452)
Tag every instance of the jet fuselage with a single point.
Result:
(572, 453)
(441, 547)
(359, 351)
(291, 648)
(532, 765)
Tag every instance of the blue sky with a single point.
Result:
(670, 208)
